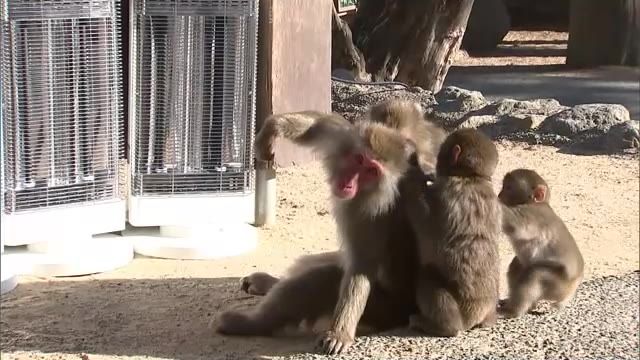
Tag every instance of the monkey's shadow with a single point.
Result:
(169, 318)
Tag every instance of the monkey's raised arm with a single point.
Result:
(321, 131)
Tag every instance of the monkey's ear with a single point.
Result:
(455, 154)
(539, 193)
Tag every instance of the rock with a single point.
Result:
(455, 99)
(495, 126)
(477, 121)
(512, 107)
(585, 117)
(534, 138)
(509, 116)
(343, 74)
(453, 103)
(623, 136)
(488, 24)
(354, 100)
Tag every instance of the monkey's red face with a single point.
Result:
(358, 171)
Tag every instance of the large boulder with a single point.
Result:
(543, 107)
(353, 100)
(488, 24)
(623, 136)
(581, 118)
(509, 116)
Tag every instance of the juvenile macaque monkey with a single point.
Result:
(548, 264)
(408, 118)
(457, 221)
(375, 279)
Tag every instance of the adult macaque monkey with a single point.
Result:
(548, 264)
(375, 277)
(457, 221)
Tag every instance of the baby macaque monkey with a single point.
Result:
(548, 264)
(457, 221)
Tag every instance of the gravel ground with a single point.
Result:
(602, 323)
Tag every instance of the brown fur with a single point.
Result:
(404, 115)
(374, 281)
(548, 264)
(457, 222)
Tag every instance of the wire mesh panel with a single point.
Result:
(194, 105)
(61, 113)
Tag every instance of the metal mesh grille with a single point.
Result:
(194, 80)
(61, 105)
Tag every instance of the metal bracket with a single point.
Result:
(263, 164)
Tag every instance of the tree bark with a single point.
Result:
(410, 40)
(344, 54)
(604, 33)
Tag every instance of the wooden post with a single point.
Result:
(294, 65)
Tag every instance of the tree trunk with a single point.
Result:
(410, 40)
(604, 33)
(344, 54)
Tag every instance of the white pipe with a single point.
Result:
(265, 209)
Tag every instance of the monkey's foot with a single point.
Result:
(489, 321)
(509, 311)
(237, 323)
(258, 283)
(334, 342)
(420, 323)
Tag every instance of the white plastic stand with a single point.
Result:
(59, 241)
(195, 242)
(7, 274)
(192, 227)
(9, 278)
(70, 257)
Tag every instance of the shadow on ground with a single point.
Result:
(168, 318)
(616, 85)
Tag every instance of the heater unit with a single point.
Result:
(60, 70)
(192, 122)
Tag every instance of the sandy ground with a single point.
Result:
(156, 309)
(163, 308)
(521, 48)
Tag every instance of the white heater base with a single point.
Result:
(196, 242)
(60, 224)
(9, 278)
(71, 257)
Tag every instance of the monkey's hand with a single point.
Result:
(334, 342)
(507, 310)
(258, 283)
(264, 146)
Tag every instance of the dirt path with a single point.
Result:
(162, 308)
